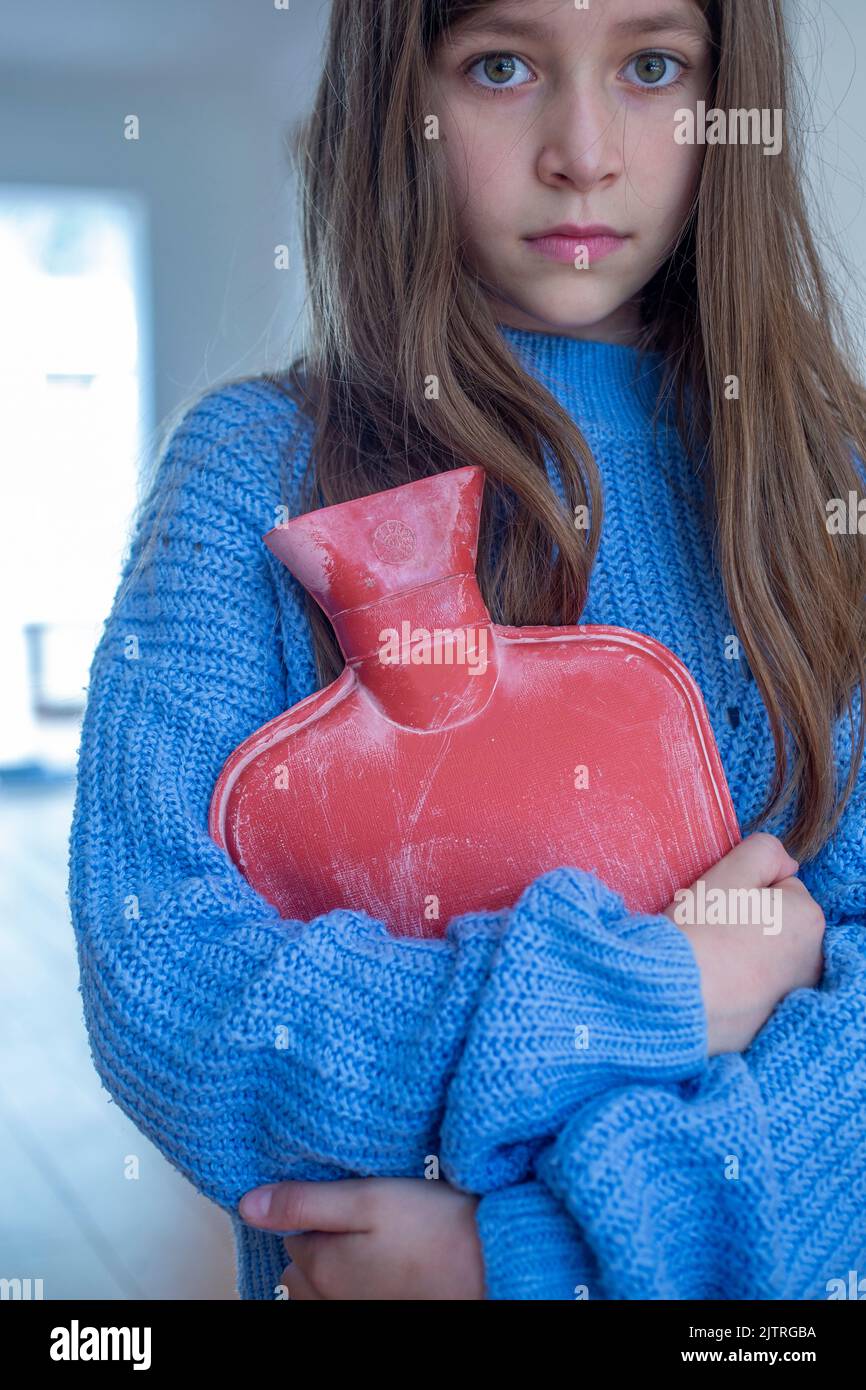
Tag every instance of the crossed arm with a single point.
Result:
(743, 1182)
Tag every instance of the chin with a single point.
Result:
(561, 316)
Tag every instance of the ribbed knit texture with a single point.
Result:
(250, 1048)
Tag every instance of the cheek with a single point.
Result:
(481, 173)
(664, 174)
(457, 167)
(686, 176)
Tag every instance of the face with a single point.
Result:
(554, 117)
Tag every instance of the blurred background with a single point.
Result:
(135, 272)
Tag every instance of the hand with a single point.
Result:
(376, 1238)
(748, 965)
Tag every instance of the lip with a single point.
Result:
(561, 243)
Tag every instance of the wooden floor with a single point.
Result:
(68, 1215)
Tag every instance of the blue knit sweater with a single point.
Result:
(250, 1048)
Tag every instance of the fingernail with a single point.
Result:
(256, 1205)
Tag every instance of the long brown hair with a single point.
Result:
(391, 305)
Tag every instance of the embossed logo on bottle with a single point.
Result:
(394, 542)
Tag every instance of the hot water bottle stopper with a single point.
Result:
(454, 759)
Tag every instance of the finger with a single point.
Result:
(339, 1205)
(759, 861)
(795, 884)
(298, 1286)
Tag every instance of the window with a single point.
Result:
(74, 415)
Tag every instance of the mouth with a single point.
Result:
(563, 243)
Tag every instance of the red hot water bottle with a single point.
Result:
(454, 759)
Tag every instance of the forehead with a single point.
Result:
(547, 22)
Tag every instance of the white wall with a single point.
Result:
(829, 38)
(215, 86)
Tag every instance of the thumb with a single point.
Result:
(291, 1207)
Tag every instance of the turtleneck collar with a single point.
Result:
(603, 382)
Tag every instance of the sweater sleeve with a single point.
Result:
(747, 1181)
(249, 1047)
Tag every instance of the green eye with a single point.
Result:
(651, 69)
(656, 69)
(499, 69)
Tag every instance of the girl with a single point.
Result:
(497, 202)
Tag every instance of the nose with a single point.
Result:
(582, 131)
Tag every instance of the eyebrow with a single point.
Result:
(669, 22)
